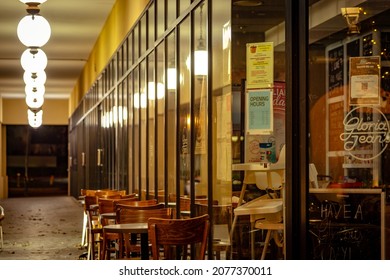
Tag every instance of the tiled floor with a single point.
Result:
(42, 228)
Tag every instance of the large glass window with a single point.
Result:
(348, 151)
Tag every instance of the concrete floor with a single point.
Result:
(42, 228)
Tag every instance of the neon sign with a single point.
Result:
(361, 132)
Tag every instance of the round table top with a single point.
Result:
(127, 228)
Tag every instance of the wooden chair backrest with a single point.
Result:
(141, 215)
(174, 233)
(131, 195)
(108, 204)
(136, 202)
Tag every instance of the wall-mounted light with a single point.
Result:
(351, 15)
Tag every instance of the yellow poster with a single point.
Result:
(259, 65)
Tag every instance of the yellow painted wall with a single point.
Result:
(55, 112)
(121, 19)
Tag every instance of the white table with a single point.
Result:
(257, 208)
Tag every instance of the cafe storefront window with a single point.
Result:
(349, 129)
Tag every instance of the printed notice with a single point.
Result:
(364, 80)
(260, 65)
(259, 111)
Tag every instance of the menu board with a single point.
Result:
(364, 76)
(260, 65)
(346, 225)
(336, 127)
(336, 72)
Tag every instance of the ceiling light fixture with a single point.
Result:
(351, 15)
(32, 6)
(34, 78)
(33, 60)
(35, 117)
(200, 55)
(34, 31)
(34, 101)
(34, 89)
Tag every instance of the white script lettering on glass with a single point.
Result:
(360, 132)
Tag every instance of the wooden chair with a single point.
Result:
(108, 205)
(140, 214)
(176, 235)
(93, 229)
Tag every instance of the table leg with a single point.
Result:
(144, 246)
(243, 189)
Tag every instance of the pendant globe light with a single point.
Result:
(34, 31)
(34, 89)
(34, 78)
(200, 55)
(34, 117)
(33, 60)
(34, 101)
(32, 5)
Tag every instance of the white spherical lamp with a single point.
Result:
(34, 78)
(33, 60)
(34, 31)
(34, 117)
(34, 101)
(34, 89)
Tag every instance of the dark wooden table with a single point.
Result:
(138, 228)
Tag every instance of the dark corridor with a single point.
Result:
(37, 160)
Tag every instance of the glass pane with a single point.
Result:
(160, 17)
(171, 12)
(136, 42)
(200, 106)
(131, 108)
(252, 131)
(130, 50)
(137, 133)
(183, 5)
(160, 122)
(184, 132)
(151, 26)
(171, 117)
(143, 128)
(143, 37)
(349, 112)
(153, 93)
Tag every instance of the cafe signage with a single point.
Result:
(359, 131)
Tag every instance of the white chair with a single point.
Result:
(1, 226)
(262, 208)
(271, 218)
